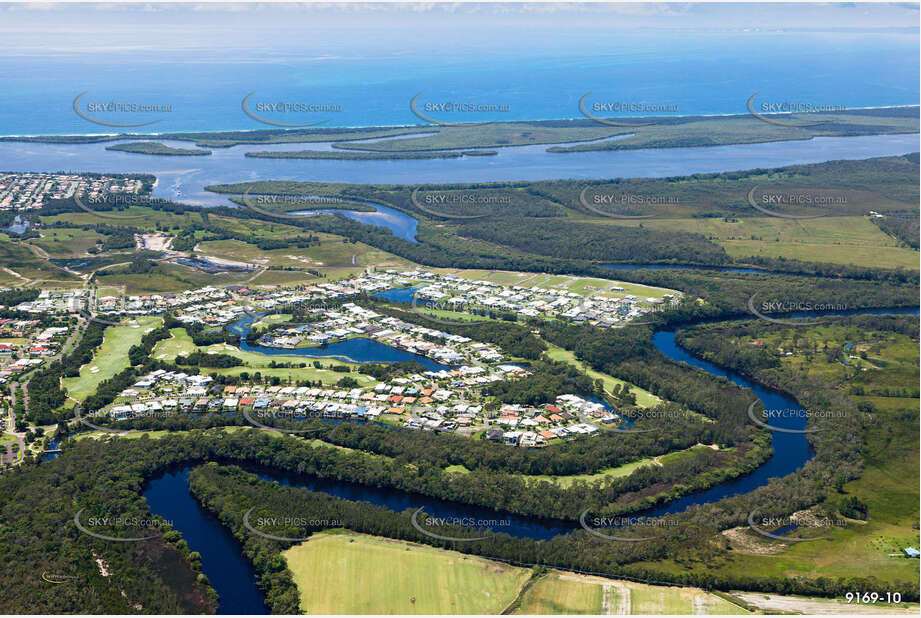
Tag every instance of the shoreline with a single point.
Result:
(172, 135)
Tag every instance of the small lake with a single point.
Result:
(355, 350)
(398, 295)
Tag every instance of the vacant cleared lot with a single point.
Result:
(361, 574)
(584, 286)
(557, 593)
(560, 592)
(777, 604)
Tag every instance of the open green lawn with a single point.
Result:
(67, 242)
(181, 344)
(644, 399)
(19, 259)
(111, 357)
(678, 456)
(567, 481)
(275, 278)
(353, 573)
(560, 592)
(108, 290)
(556, 593)
(839, 240)
(646, 599)
(331, 252)
(166, 277)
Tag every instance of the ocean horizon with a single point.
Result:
(692, 75)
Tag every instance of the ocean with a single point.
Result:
(683, 73)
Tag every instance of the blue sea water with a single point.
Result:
(692, 72)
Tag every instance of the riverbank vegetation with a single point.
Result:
(156, 148)
(862, 373)
(351, 156)
(665, 132)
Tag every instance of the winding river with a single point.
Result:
(185, 178)
(235, 583)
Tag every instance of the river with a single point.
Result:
(231, 576)
(185, 178)
(182, 180)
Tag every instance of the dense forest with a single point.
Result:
(229, 492)
(903, 227)
(548, 379)
(160, 573)
(590, 241)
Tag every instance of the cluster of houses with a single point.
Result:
(22, 365)
(27, 191)
(440, 401)
(27, 345)
(56, 301)
(219, 306)
(350, 320)
(213, 306)
(207, 300)
(571, 416)
(607, 307)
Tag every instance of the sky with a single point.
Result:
(358, 28)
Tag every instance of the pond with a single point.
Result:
(354, 350)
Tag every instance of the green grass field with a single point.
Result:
(360, 574)
(567, 481)
(67, 242)
(332, 252)
(672, 600)
(19, 259)
(839, 240)
(678, 456)
(644, 399)
(111, 357)
(556, 593)
(166, 277)
(570, 593)
(5, 439)
(584, 286)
